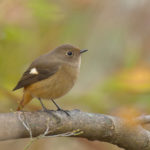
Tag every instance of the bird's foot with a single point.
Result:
(65, 111)
(45, 109)
(59, 109)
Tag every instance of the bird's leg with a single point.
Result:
(43, 107)
(58, 108)
(48, 111)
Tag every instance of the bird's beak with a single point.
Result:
(82, 51)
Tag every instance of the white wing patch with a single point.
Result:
(33, 71)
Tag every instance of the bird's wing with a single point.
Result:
(37, 72)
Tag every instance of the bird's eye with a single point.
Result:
(69, 53)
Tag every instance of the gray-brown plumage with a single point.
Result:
(51, 75)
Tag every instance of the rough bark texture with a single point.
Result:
(94, 126)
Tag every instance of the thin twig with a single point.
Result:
(25, 123)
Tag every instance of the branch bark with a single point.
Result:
(100, 127)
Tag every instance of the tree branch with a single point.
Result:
(93, 126)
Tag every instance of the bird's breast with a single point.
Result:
(56, 85)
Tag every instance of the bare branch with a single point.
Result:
(145, 119)
(91, 126)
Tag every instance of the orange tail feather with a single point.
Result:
(25, 100)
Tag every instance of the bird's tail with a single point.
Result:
(25, 100)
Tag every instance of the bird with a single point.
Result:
(51, 75)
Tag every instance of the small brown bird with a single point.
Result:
(51, 75)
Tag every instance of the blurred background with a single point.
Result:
(115, 72)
